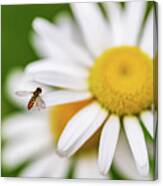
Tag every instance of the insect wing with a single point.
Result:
(23, 93)
(40, 104)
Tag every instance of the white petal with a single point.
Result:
(86, 167)
(80, 128)
(64, 96)
(12, 86)
(61, 80)
(114, 14)
(66, 25)
(108, 142)
(133, 17)
(58, 65)
(123, 161)
(149, 36)
(147, 119)
(52, 32)
(93, 26)
(16, 81)
(18, 151)
(137, 144)
(68, 28)
(46, 167)
(23, 125)
(45, 47)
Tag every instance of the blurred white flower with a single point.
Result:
(29, 138)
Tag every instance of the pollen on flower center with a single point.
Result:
(122, 80)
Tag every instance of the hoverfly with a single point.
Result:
(35, 99)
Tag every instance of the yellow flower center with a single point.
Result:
(122, 80)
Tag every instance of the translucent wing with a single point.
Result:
(23, 93)
(40, 104)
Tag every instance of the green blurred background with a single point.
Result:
(17, 51)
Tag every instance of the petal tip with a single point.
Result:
(37, 23)
(103, 171)
(144, 170)
(102, 168)
(60, 153)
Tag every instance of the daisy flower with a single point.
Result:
(105, 64)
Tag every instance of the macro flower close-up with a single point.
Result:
(90, 95)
